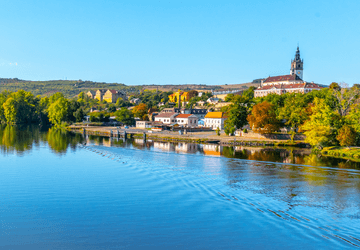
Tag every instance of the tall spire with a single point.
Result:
(297, 64)
(297, 54)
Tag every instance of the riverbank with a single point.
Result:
(349, 153)
(192, 137)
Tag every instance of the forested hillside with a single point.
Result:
(69, 88)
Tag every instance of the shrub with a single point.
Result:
(218, 131)
(346, 136)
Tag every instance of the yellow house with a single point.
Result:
(99, 94)
(112, 95)
(91, 94)
(175, 97)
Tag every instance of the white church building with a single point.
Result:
(292, 83)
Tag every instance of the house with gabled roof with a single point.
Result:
(215, 120)
(111, 95)
(187, 120)
(99, 94)
(166, 118)
(91, 94)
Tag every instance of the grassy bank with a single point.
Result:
(352, 153)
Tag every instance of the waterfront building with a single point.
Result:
(215, 120)
(166, 118)
(187, 120)
(143, 124)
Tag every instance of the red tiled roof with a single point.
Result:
(312, 86)
(113, 91)
(282, 78)
(183, 116)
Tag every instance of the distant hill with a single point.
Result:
(201, 87)
(71, 88)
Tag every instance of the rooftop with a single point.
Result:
(282, 78)
(166, 115)
(183, 116)
(215, 115)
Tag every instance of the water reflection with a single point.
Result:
(60, 140)
(21, 139)
(18, 139)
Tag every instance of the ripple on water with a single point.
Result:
(294, 194)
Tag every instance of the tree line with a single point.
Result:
(330, 116)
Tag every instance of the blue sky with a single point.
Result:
(178, 42)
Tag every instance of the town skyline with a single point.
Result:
(145, 42)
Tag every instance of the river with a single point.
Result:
(62, 191)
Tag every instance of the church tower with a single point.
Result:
(297, 65)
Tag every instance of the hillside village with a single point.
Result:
(208, 109)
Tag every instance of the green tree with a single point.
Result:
(79, 115)
(353, 118)
(237, 114)
(20, 107)
(58, 111)
(320, 129)
(335, 86)
(295, 112)
(81, 95)
(125, 116)
(53, 98)
(10, 110)
(112, 108)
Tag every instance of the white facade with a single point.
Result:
(190, 121)
(215, 123)
(166, 118)
(143, 124)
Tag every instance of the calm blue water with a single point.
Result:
(57, 194)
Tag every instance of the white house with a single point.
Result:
(187, 120)
(143, 124)
(215, 120)
(166, 118)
